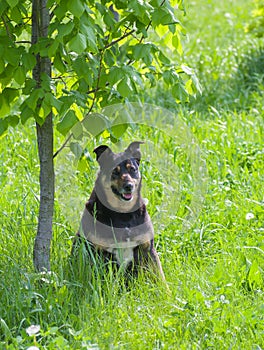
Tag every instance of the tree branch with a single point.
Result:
(23, 42)
(6, 28)
(63, 145)
(117, 40)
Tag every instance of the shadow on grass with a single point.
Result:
(242, 91)
(253, 70)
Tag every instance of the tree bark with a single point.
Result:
(41, 254)
(44, 233)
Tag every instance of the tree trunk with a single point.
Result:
(40, 24)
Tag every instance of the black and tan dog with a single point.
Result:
(115, 221)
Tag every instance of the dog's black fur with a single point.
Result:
(115, 221)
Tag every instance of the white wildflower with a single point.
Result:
(250, 216)
(32, 330)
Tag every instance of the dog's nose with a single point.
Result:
(128, 187)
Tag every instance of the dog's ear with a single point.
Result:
(102, 150)
(134, 150)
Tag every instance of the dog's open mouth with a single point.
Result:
(126, 196)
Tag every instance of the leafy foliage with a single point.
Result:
(101, 53)
(256, 25)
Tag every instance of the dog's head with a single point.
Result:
(119, 178)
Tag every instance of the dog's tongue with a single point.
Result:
(127, 195)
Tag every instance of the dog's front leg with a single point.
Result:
(156, 262)
(146, 256)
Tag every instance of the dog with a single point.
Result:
(115, 222)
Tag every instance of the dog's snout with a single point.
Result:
(128, 187)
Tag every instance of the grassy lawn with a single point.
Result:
(214, 269)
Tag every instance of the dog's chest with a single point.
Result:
(123, 256)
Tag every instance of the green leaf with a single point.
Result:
(141, 10)
(83, 164)
(16, 15)
(12, 3)
(12, 120)
(135, 78)
(67, 122)
(109, 20)
(78, 43)
(118, 130)
(30, 84)
(91, 40)
(77, 131)
(64, 29)
(163, 59)
(53, 48)
(197, 84)
(120, 124)
(144, 52)
(52, 101)
(95, 123)
(164, 16)
(61, 10)
(10, 94)
(67, 101)
(141, 50)
(12, 56)
(28, 61)
(124, 87)
(59, 64)
(45, 81)
(76, 149)
(76, 7)
(167, 76)
(176, 42)
(151, 79)
(26, 113)
(189, 87)
(7, 75)
(82, 68)
(115, 74)
(3, 126)
(101, 8)
(34, 98)
(109, 58)
(179, 93)
(43, 46)
(2, 65)
(186, 69)
(45, 109)
(4, 106)
(87, 26)
(20, 75)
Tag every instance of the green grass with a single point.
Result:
(214, 270)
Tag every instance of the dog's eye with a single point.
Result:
(133, 169)
(116, 171)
